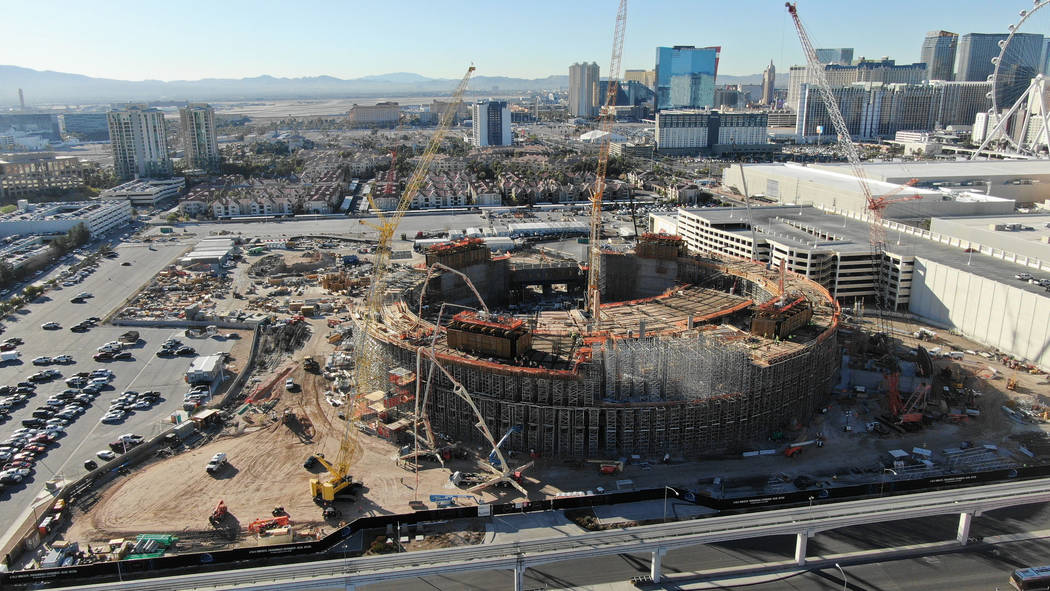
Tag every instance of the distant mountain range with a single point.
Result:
(59, 87)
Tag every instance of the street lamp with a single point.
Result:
(676, 493)
(843, 573)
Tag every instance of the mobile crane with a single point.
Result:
(367, 368)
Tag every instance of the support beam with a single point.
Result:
(519, 575)
(965, 519)
(655, 570)
(801, 540)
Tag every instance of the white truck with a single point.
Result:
(216, 463)
(10, 356)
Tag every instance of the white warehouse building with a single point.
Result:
(146, 192)
(835, 189)
(60, 217)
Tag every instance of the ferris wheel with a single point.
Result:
(1018, 122)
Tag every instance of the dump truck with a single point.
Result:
(310, 364)
(129, 338)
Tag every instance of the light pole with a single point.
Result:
(843, 573)
(667, 488)
(811, 502)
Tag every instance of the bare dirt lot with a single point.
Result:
(176, 495)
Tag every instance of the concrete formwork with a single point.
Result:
(691, 390)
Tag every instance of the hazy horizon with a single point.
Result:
(194, 40)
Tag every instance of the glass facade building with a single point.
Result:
(685, 76)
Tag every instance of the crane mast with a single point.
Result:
(877, 236)
(367, 364)
(594, 262)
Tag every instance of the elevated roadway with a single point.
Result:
(802, 522)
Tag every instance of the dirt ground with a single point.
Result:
(176, 495)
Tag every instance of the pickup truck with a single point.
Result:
(216, 463)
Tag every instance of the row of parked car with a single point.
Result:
(128, 402)
(173, 347)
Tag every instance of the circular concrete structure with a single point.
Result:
(692, 355)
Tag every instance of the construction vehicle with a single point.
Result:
(310, 364)
(368, 369)
(443, 501)
(493, 456)
(219, 514)
(1011, 383)
(608, 466)
(608, 117)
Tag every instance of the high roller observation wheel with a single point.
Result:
(995, 77)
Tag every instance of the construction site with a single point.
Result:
(381, 388)
(689, 354)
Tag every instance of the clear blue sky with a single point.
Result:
(192, 39)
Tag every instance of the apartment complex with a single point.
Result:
(384, 114)
(197, 126)
(696, 131)
(583, 90)
(25, 175)
(938, 53)
(491, 125)
(138, 140)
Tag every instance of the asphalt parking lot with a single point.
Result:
(109, 285)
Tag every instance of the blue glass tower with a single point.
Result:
(685, 76)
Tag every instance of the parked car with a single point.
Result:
(106, 454)
(50, 326)
(43, 360)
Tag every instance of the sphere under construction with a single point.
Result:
(690, 354)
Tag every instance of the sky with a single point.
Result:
(193, 39)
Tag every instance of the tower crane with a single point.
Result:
(368, 367)
(876, 205)
(594, 268)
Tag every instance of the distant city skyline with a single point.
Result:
(194, 40)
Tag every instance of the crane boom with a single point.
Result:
(594, 268)
(367, 366)
(876, 206)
